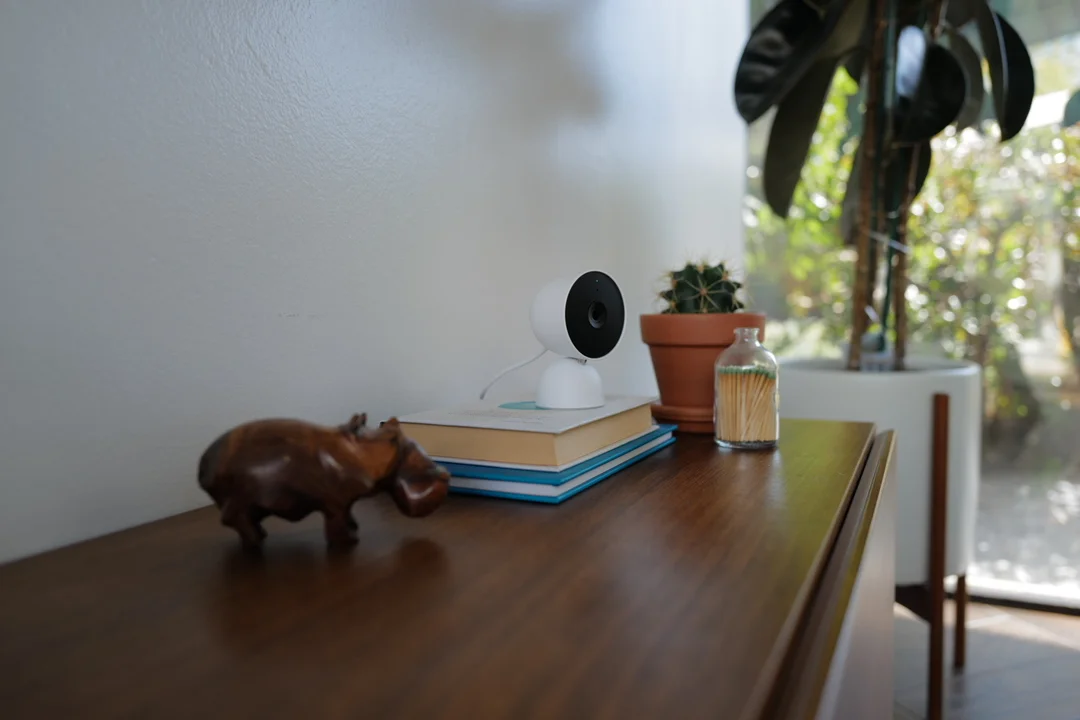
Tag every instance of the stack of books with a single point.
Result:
(521, 452)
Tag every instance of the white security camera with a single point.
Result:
(580, 319)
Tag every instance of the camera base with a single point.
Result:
(569, 384)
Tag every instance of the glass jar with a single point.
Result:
(747, 407)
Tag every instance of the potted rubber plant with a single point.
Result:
(918, 72)
(701, 309)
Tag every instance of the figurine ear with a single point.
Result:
(357, 423)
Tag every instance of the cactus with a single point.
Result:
(701, 288)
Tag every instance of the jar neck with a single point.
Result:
(746, 335)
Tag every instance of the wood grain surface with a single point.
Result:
(671, 590)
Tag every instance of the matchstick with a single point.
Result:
(747, 400)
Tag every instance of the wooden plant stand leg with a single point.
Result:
(938, 516)
(927, 600)
(960, 644)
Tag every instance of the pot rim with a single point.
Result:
(739, 313)
(715, 330)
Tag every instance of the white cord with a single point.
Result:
(511, 369)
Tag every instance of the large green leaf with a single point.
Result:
(777, 54)
(1072, 111)
(1012, 78)
(792, 132)
(784, 45)
(971, 64)
(938, 99)
(1020, 89)
(911, 44)
(993, 49)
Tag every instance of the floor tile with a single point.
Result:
(902, 713)
(1018, 662)
(1041, 690)
(1064, 629)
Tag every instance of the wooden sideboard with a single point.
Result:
(697, 584)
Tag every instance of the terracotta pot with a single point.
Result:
(684, 348)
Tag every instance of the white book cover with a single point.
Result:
(524, 416)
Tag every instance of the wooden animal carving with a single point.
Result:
(291, 468)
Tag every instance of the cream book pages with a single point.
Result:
(524, 417)
(522, 435)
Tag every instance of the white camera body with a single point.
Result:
(580, 319)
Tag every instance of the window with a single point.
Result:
(995, 278)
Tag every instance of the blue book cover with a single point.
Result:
(490, 471)
(554, 494)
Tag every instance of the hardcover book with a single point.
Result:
(523, 434)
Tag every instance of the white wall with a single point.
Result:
(213, 211)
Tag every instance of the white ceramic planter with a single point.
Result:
(903, 401)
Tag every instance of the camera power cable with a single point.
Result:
(510, 369)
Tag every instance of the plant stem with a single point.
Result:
(863, 267)
(884, 175)
(900, 232)
(899, 275)
(899, 282)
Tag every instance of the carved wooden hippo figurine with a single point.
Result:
(291, 468)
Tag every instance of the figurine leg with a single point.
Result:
(239, 518)
(257, 515)
(340, 528)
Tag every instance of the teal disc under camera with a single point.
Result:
(523, 405)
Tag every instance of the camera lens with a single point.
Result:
(597, 314)
(594, 315)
